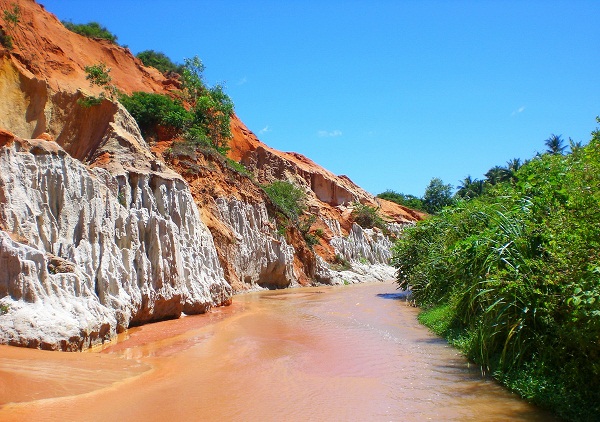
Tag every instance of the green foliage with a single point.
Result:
(99, 75)
(368, 217)
(305, 222)
(12, 18)
(238, 167)
(555, 145)
(90, 101)
(150, 110)
(4, 308)
(290, 201)
(470, 188)
(91, 30)
(158, 61)
(340, 264)
(6, 40)
(513, 277)
(212, 107)
(192, 78)
(409, 201)
(500, 174)
(211, 115)
(205, 124)
(289, 198)
(437, 196)
(121, 197)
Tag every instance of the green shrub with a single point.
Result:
(183, 150)
(89, 101)
(150, 110)
(513, 277)
(238, 167)
(212, 113)
(4, 308)
(6, 40)
(158, 61)
(91, 30)
(99, 75)
(12, 18)
(340, 264)
(409, 201)
(289, 198)
(368, 217)
(437, 196)
(206, 124)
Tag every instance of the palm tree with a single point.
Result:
(575, 146)
(470, 188)
(514, 165)
(555, 145)
(498, 174)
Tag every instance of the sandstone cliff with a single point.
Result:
(100, 230)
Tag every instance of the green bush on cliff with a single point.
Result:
(151, 110)
(6, 40)
(98, 75)
(205, 121)
(512, 277)
(91, 30)
(289, 198)
(368, 217)
(158, 61)
(11, 18)
(409, 201)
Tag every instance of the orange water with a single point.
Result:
(352, 353)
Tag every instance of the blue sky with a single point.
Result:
(389, 93)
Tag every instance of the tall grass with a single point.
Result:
(513, 279)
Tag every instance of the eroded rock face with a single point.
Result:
(135, 244)
(361, 245)
(258, 255)
(368, 251)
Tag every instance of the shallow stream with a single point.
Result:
(352, 353)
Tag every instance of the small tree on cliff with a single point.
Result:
(158, 61)
(99, 75)
(11, 18)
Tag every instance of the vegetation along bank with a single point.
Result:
(510, 275)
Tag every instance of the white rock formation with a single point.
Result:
(361, 245)
(368, 251)
(84, 254)
(259, 256)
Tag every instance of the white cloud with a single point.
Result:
(329, 134)
(517, 111)
(264, 130)
(242, 81)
